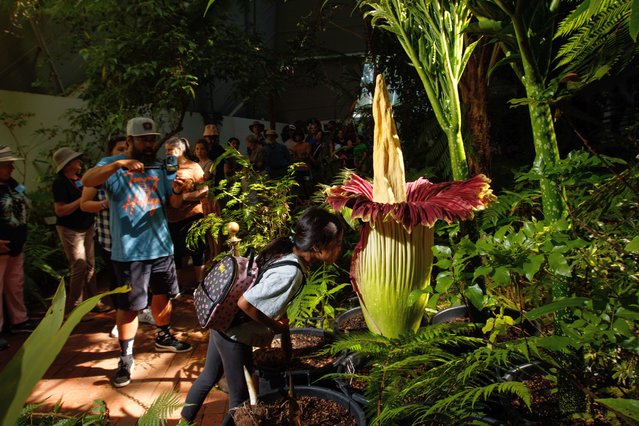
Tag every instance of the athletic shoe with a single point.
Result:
(145, 316)
(114, 331)
(24, 327)
(125, 368)
(168, 343)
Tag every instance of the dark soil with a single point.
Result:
(354, 323)
(314, 412)
(305, 357)
(544, 403)
(545, 406)
(357, 384)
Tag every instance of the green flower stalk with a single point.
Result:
(393, 260)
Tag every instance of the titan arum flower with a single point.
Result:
(394, 255)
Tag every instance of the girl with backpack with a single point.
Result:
(318, 238)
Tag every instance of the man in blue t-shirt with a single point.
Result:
(142, 250)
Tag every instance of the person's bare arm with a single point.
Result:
(196, 195)
(96, 176)
(277, 326)
(88, 203)
(65, 209)
(177, 195)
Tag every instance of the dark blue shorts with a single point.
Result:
(156, 275)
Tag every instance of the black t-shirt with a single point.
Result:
(67, 191)
(216, 151)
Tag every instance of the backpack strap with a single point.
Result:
(274, 265)
(250, 254)
(240, 316)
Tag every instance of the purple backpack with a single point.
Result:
(216, 297)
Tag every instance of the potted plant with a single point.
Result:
(310, 360)
(316, 406)
(391, 265)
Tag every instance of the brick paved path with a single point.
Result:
(81, 373)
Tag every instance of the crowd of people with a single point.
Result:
(139, 210)
(320, 151)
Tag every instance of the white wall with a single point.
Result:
(48, 112)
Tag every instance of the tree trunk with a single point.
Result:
(473, 89)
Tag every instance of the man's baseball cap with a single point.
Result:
(141, 126)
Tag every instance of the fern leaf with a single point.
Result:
(163, 406)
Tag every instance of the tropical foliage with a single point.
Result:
(454, 373)
(39, 352)
(431, 33)
(261, 207)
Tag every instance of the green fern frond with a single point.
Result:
(364, 343)
(314, 301)
(595, 35)
(160, 409)
(580, 16)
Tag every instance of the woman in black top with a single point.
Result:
(75, 228)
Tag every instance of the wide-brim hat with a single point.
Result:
(141, 126)
(7, 155)
(258, 124)
(64, 156)
(271, 132)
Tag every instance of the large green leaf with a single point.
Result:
(634, 20)
(559, 264)
(570, 302)
(633, 245)
(39, 351)
(625, 407)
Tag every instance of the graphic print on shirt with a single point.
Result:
(13, 208)
(145, 193)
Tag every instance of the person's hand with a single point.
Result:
(281, 325)
(132, 165)
(178, 185)
(188, 185)
(4, 246)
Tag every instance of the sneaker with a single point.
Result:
(125, 368)
(145, 316)
(24, 327)
(114, 331)
(168, 343)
